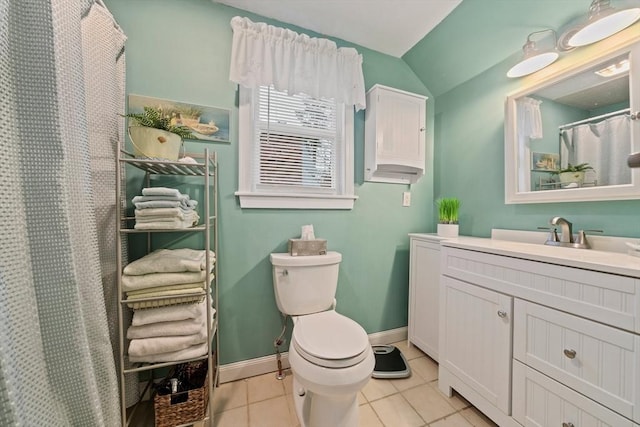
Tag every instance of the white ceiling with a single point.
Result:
(389, 26)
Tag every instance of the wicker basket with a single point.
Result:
(186, 406)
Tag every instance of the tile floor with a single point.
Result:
(263, 401)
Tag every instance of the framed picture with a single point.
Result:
(544, 161)
(205, 123)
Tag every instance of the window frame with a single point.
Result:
(252, 197)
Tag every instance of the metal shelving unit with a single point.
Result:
(206, 169)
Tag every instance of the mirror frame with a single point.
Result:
(574, 63)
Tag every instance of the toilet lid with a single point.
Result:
(330, 339)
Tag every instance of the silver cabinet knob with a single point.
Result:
(285, 272)
(502, 313)
(567, 425)
(571, 354)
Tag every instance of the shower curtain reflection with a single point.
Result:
(605, 145)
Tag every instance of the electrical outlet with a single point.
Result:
(406, 198)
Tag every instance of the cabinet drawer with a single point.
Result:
(597, 360)
(539, 401)
(603, 297)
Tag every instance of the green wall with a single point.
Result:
(180, 50)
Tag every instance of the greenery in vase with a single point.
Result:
(448, 210)
(575, 168)
(157, 119)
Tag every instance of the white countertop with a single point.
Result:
(590, 259)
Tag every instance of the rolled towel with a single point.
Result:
(170, 261)
(145, 281)
(169, 314)
(173, 356)
(160, 191)
(158, 345)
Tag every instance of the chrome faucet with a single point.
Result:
(565, 227)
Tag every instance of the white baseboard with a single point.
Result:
(264, 365)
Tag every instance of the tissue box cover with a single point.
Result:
(299, 247)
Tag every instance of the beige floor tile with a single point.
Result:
(455, 420)
(237, 417)
(477, 418)
(457, 401)
(428, 403)
(288, 382)
(264, 387)
(361, 399)
(230, 395)
(292, 410)
(395, 411)
(409, 351)
(271, 413)
(406, 383)
(368, 417)
(425, 367)
(377, 389)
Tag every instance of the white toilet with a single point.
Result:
(329, 354)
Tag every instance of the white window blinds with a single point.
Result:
(297, 140)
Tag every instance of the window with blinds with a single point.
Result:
(296, 139)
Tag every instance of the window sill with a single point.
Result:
(293, 201)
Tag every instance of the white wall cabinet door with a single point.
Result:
(424, 279)
(395, 128)
(475, 341)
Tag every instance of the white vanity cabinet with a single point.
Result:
(574, 359)
(424, 282)
(395, 128)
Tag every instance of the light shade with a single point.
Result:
(534, 58)
(603, 21)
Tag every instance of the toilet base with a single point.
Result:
(316, 410)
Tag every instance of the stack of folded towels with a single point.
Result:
(162, 331)
(164, 208)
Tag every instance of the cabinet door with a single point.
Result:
(424, 296)
(400, 131)
(475, 340)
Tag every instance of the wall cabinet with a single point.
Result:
(395, 128)
(424, 280)
(573, 360)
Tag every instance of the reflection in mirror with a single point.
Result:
(569, 132)
(578, 121)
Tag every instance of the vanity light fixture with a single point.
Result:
(603, 21)
(534, 58)
(614, 69)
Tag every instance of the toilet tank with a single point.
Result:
(305, 284)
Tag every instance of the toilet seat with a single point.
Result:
(330, 339)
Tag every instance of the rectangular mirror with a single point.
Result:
(567, 137)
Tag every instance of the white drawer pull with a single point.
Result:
(571, 354)
(567, 425)
(502, 313)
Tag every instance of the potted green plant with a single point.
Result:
(448, 208)
(573, 173)
(155, 136)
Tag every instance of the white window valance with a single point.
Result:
(263, 55)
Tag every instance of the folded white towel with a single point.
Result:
(158, 345)
(169, 314)
(170, 261)
(162, 212)
(173, 356)
(186, 288)
(175, 224)
(133, 283)
(166, 329)
(160, 191)
(169, 301)
(156, 203)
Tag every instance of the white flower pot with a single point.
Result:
(154, 143)
(568, 177)
(448, 230)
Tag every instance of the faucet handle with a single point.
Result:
(582, 237)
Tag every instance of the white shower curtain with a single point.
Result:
(56, 359)
(604, 145)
